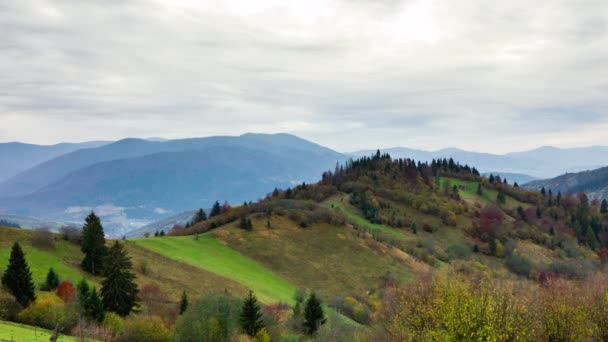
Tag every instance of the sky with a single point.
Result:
(491, 76)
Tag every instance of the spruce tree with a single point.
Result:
(93, 245)
(183, 304)
(479, 189)
(94, 307)
(119, 290)
(51, 282)
(251, 317)
(604, 208)
(314, 316)
(216, 209)
(18, 278)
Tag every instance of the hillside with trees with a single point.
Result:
(379, 249)
(594, 183)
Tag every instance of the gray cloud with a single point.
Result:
(348, 74)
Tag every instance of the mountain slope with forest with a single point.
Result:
(594, 183)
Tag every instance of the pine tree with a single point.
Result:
(18, 278)
(479, 189)
(183, 304)
(199, 216)
(83, 292)
(314, 316)
(52, 281)
(216, 209)
(251, 317)
(604, 208)
(162, 233)
(93, 245)
(94, 307)
(119, 290)
(500, 198)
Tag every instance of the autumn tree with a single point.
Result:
(93, 245)
(251, 315)
(65, 291)
(18, 278)
(314, 317)
(119, 290)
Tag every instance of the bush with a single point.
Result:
(114, 323)
(71, 234)
(9, 307)
(458, 251)
(519, 264)
(212, 318)
(65, 291)
(145, 328)
(43, 238)
(49, 312)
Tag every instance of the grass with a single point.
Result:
(25, 333)
(64, 258)
(328, 259)
(468, 191)
(341, 205)
(209, 254)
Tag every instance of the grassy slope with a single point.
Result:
(328, 259)
(64, 258)
(209, 254)
(24, 333)
(468, 191)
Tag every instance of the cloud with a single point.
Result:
(348, 74)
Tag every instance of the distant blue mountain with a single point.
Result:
(17, 157)
(139, 180)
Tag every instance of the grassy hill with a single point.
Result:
(370, 228)
(24, 333)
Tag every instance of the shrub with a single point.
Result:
(212, 318)
(144, 328)
(458, 251)
(49, 312)
(519, 264)
(114, 323)
(71, 234)
(65, 291)
(9, 307)
(43, 238)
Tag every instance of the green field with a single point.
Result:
(210, 254)
(24, 333)
(64, 258)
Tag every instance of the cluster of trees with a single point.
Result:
(10, 224)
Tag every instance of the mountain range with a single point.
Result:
(134, 182)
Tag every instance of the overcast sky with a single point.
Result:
(484, 75)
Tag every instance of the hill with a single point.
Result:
(132, 182)
(594, 183)
(543, 162)
(376, 229)
(17, 157)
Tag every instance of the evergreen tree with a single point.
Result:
(500, 198)
(604, 207)
(543, 191)
(199, 216)
(52, 281)
(314, 316)
(94, 307)
(251, 316)
(216, 209)
(162, 232)
(119, 290)
(93, 245)
(479, 189)
(18, 278)
(491, 178)
(515, 185)
(183, 304)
